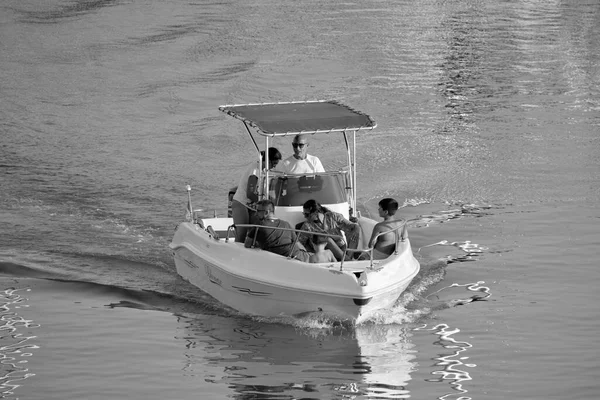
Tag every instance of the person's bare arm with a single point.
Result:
(352, 228)
(377, 229)
(251, 189)
(250, 238)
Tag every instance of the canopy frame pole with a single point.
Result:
(260, 161)
(265, 184)
(354, 188)
(251, 136)
(351, 174)
(349, 167)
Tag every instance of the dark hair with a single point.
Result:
(266, 204)
(274, 154)
(319, 239)
(312, 205)
(390, 205)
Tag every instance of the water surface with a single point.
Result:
(488, 118)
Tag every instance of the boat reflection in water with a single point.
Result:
(269, 360)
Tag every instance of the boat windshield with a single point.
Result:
(295, 190)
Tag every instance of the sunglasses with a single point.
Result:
(301, 145)
(306, 214)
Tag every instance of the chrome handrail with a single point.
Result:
(278, 174)
(402, 238)
(298, 231)
(399, 237)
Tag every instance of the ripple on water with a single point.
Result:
(17, 341)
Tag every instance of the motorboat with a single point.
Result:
(259, 282)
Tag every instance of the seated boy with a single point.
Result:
(385, 244)
(321, 255)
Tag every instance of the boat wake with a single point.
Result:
(410, 308)
(415, 305)
(451, 211)
(153, 283)
(177, 297)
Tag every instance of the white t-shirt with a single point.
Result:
(240, 194)
(310, 164)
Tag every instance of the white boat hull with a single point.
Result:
(258, 282)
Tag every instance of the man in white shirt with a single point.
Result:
(301, 162)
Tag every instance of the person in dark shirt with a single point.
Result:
(279, 241)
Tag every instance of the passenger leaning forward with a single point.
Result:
(279, 241)
(322, 220)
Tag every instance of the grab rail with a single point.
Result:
(403, 234)
(283, 229)
(402, 238)
(398, 237)
(298, 231)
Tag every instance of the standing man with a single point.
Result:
(246, 194)
(301, 162)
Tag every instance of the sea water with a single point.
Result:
(488, 135)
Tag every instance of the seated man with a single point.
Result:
(385, 244)
(277, 241)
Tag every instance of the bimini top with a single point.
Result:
(281, 119)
